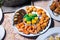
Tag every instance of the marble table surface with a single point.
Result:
(10, 32)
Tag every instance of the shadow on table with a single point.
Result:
(51, 26)
(32, 37)
(52, 23)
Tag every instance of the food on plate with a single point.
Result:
(30, 9)
(57, 10)
(39, 11)
(51, 38)
(33, 21)
(22, 11)
(55, 7)
(54, 37)
(19, 16)
(30, 18)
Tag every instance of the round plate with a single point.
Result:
(0, 14)
(39, 32)
(2, 32)
(52, 13)
(48, 33)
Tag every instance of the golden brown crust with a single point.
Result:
(57, 10)
(55, 6)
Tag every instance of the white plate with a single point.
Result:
(2, 32)
(39, 32)
(0, 14)
(52, 13)
(48, 33)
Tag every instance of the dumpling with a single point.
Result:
(51, 38)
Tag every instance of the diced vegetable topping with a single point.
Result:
(28, 22)
(26, 16)
(30, 18)
(33, 21)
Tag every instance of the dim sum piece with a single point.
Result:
(58, 4)
(57, 37)
(22, 12)
(57, 10)
(19, 16)
(53, 6)
(51, 38)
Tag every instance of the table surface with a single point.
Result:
(10, 32)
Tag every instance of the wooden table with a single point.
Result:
(10, 32)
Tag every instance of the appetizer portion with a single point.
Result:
(33, 21)
(30, 18)
(55, 7)
(54, 37)
(19, 16)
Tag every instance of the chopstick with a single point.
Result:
(32, 2)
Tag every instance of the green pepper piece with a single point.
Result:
(30, 14)
(28, 19)
(34, 15)
(26, 16)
